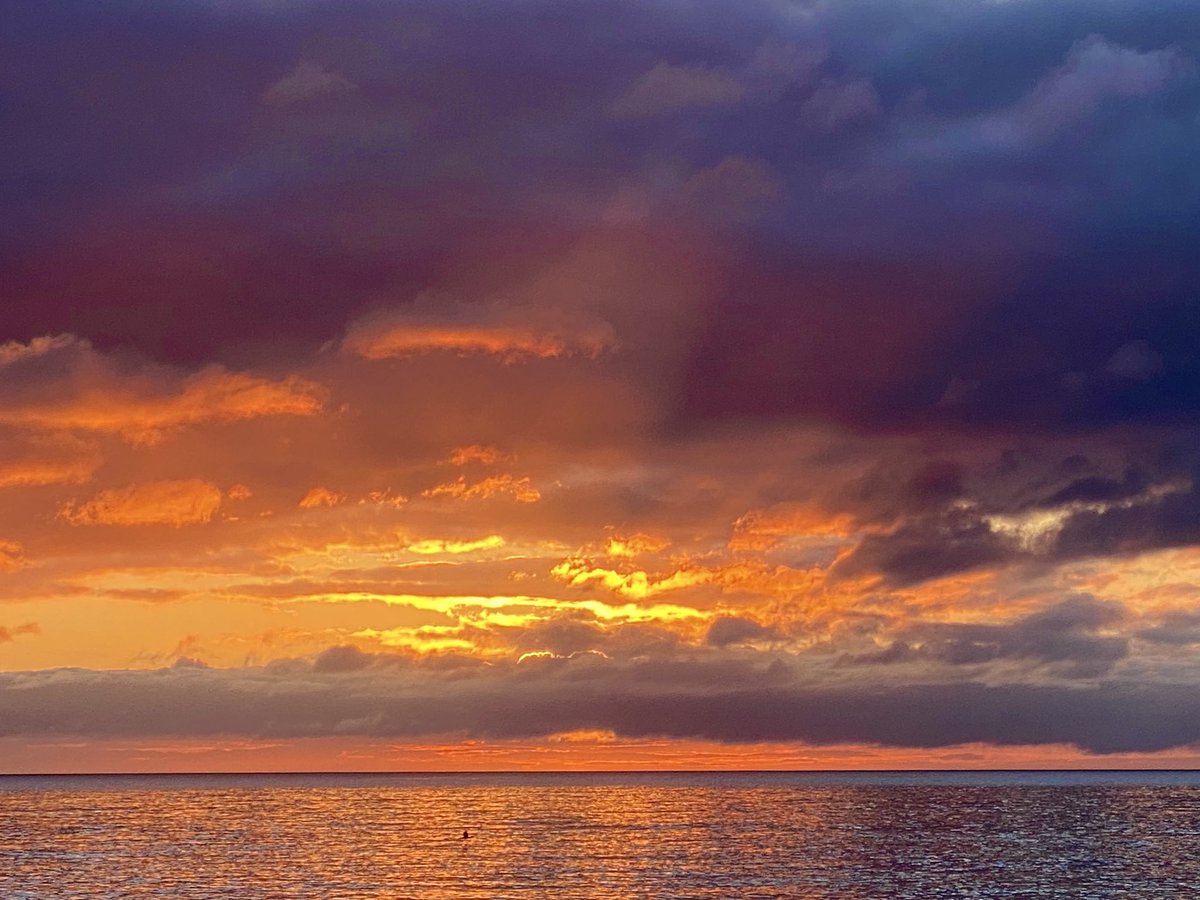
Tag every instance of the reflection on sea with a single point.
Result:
(597, 837)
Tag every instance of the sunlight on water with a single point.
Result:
(595, 837)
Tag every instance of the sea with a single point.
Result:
(613, 835)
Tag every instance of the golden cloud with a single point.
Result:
(520, 489)
(635, 545)
(383, 498)
(430, 547)
(189, 502)
(509, 609)
(636, 584)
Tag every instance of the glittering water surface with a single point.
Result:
(602, 836)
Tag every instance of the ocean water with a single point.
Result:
(745, 835)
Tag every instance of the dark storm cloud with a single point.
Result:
(725, 701)
(279, 168)
(999, 249)
(1173, 521)
(193, 175)
(928, 547)
(1099, 489)
(1033, 509)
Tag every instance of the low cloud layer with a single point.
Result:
(342, 694)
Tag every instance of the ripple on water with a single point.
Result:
(661, 838)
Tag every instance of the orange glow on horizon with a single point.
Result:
(572, 752)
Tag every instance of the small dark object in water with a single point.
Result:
(466, 834)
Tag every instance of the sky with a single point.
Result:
(562, 384)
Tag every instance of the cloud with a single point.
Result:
(45, 460)
(434, 546)
(320, 496)
(1064, 634)
(511, 333)
(634, 545)
(64, 384)
(511, 343)
(667, 88)
(633, 583)
(886, 342)
(11, 633)
(1094, 71)
(726, 630)
(735, 188)
(837, 105)
(1134, 361)
(178, 503)
(519, 489)
(562, 636)
(12, 556)
(15, 351)
(341, 659)
(1043, 519)
(1181, 628)
(783, 63)
(474, 453)
(239, 492)
(701, 699)
(308, 81)
(929, 547)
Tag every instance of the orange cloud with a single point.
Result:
(511, 343)
(635, 545)
(43, 459)
(33, 472)
(520, 489)
(94, 397)
(320, 496)
(239, 492)
(763, 529)
(384, 498)
(461, 456)
(8, 634)
(510, 332)
(12, 556)
(190, 502)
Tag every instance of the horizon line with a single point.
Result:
(859, 771)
